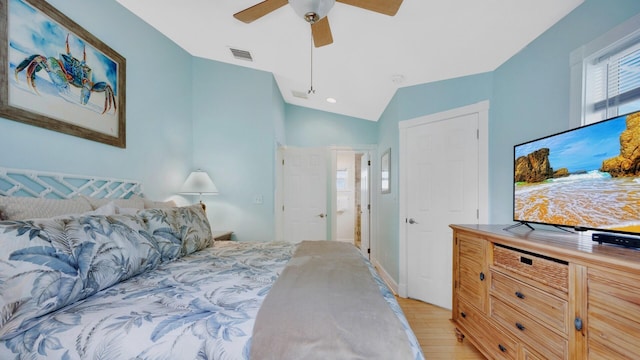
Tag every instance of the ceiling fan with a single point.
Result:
(315, 13)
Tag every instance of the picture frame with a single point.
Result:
(385, 172)
(56, 75)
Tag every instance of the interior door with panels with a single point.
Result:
(304, 194)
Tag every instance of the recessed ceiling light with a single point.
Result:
(331, 100)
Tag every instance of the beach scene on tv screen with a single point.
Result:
(588, 177)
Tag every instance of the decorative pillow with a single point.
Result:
(178, 231)
(22, 208)
(150, 204)
(50, 263)
(135, 202)
(109, 208)
(126, 211)
(197, 230)
(167, 238)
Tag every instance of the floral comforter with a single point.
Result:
(198, 307)
(201, 306)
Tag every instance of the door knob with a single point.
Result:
(321, 216)
(411, 221)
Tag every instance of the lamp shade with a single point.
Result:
(319, 7)
(199, 183)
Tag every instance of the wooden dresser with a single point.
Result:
(545, 294)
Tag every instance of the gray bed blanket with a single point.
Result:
(326, 305)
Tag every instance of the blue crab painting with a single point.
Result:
(64, 71)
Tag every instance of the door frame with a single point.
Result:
(278, 198)
(480, 108)
(372, 151)
(332, 166)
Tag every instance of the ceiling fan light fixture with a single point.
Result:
(312, 10)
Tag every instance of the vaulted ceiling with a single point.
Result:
(371, 56)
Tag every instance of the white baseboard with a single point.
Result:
(402, 290)
(385, 276)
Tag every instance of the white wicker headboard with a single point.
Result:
(41, 184)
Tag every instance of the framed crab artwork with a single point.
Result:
(56, 75)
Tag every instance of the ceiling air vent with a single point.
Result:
(299, 94)
(241, 54)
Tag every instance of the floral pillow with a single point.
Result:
(49, 263)
(178, 231)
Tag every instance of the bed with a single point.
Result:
(131, 278)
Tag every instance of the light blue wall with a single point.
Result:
(185, 112)
(159, 128)
(182, 113)
(531, 91)
(238, 118)
(409, 103)
(529, 98)
(308, 127)
(313, 128)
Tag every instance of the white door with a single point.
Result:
(365, 204)
(304, 194)
(441, 188)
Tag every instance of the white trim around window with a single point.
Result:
(616, 40)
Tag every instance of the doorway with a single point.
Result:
(443, 180)
(352, 198)
(300, 175)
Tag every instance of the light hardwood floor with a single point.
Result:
(435, 332)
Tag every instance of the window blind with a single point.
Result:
(616, 78)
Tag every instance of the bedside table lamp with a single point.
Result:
(199, 183)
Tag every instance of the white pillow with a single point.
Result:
(22, 208)
(109, 208)
(126, 211)
(150, 204)
(133, 202)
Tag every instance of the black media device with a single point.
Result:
(626, 241)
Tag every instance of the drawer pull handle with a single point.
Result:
(578, 324)
(526, 260)
(463, 314)
(520, 326)
(502, 348)
(481, 276)
(519, 295)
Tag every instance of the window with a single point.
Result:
(341, 179)
(606, 75)
(612, 84)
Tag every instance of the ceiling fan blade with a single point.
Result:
(321, 32)
(387, 7)
(259, 10)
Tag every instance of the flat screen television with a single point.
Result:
(586, 178)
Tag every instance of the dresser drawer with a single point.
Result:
(528, 354)
(613, 314)
(485, 335)
(551, 272)
(471, 285)
(547, 308)
(538, 336)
